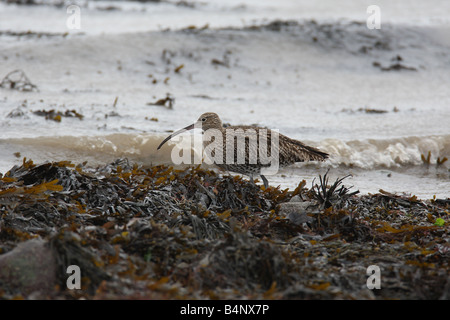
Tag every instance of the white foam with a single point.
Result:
(370, 154)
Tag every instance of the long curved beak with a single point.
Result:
(189, 127)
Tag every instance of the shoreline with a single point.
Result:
(399, 165)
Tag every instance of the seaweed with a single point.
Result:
(17, 80)
(397, 66)
(68, 251)
(427, 160)
(243, 262)
(225, 62)
(178, 69)
(164, 233)
(329, 196)
(57, 115)
(167, 102)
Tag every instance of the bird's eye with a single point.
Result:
(203, 119)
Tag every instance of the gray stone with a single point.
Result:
(30, 267)
(296, 212)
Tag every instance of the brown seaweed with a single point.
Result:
(167, 102)
(164, 233)
(56, 115)
(18, 80)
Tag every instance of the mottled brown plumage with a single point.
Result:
(289, 150)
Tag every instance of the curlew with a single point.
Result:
(285, 151)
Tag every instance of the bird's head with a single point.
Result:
(208, 120)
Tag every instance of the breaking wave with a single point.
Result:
(142, 148)
(390, 153)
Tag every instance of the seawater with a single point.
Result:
(315, 73)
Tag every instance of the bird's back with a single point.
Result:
(292, 151)
(288, 150)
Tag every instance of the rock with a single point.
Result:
(300, 206)
(296, 198)
(299, 218)
(28, 268)
(296, 212)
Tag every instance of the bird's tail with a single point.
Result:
(311, 154)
